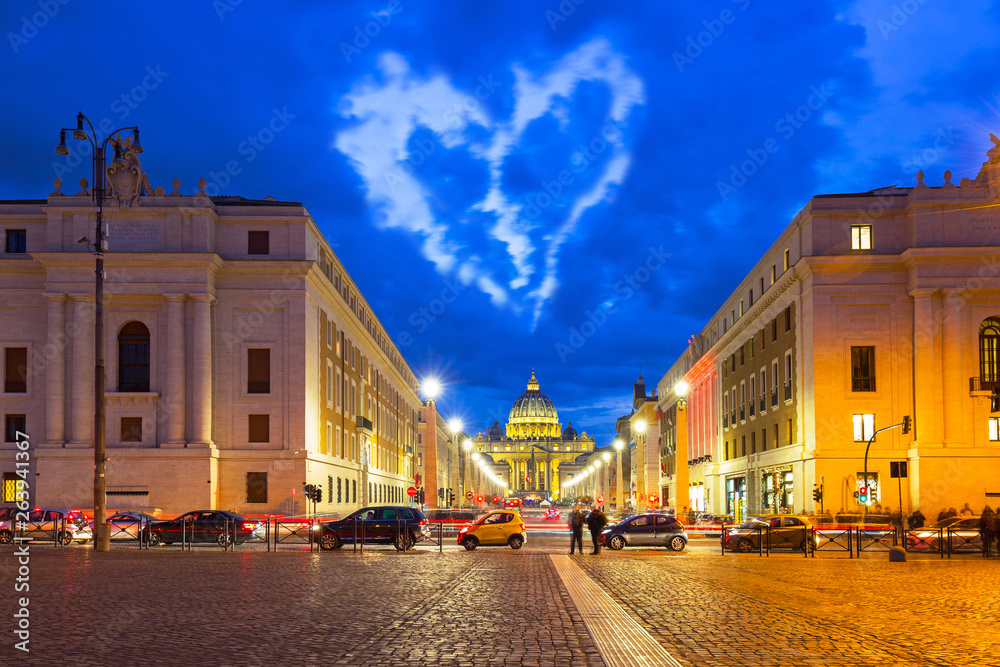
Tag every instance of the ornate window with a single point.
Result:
(133, 357)
(989, 352)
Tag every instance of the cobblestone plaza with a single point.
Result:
(500, 607)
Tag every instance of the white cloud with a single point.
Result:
(390, 109)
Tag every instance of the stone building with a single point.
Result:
(538, 453)
(867, 308)
(242, 360)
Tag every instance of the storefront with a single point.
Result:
(777, 488)
(736, 498)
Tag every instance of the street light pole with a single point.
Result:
(100, 246)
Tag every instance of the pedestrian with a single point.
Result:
(917, 519)
(986, 522)
(951, 512)
(576, 530)
(967, 511)
(942, 515)
(596, 522)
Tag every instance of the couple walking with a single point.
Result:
(595, 521)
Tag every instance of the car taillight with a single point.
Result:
(247, 525)
(424, 522)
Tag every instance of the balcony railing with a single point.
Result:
(862, 384)
(732, 417)
(259, 387)
(753, 407)
(763, 402)
(725, 421)
(743, 415)
(15, 386)
(365, 423)
(774, 397)
(788, 391)
(133, 385)
(983, 384)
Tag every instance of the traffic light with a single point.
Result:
(863, 495)
(479, 499)
(421, 501)
(317, 496)
(495, 499)
(817, 492)
(451, 497)
(906, 423)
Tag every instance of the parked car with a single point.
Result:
(551, 514)
(498, 528)
(127, 526)
(714, 520)
(219, 526)
(784, 530)
(72, 526)
(960, 533)
(646, 530)
(397, 525)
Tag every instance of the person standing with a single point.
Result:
(576, 530)
(967, 511)
(986, 522)
(596, 522)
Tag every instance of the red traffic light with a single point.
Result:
(600, 499)
(495, 499)
(479, 499)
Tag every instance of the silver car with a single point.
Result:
(44, 525)
(127, 526)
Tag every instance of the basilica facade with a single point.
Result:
(538, 451)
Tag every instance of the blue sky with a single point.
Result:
(538, 185)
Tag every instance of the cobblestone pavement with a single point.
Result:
(493, 607)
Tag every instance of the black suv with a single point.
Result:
(397, 525)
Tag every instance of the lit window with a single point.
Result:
(861, 237)
(994, 428)
(864, 427)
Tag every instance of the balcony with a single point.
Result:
(862, 384)
(15, 386)
(133, 385)
(788, 391)
(259, 387)
(984, 385)
(774, 397)
(364, 425)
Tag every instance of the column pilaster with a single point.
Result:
(173, 404)
(55, 374)
(82, 395)
(954, 396)
(927, 423)
(201, 385)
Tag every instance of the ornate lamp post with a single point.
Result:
(128, 181)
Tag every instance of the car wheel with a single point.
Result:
(6, 537)
(66, 538)
(224, 539)
(404, 542)
(152, 539)
(515, 542)
(676, 543)
(744, 546)
(616, 543)
(329, 542)
(470, 543)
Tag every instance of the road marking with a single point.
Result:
(620, 638)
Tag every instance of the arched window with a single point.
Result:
(133, 357)
(989, 353)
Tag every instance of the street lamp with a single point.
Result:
(682, 498)
(126, 191)
(619, 445)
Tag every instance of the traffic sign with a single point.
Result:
(411, 492)
(468, 495)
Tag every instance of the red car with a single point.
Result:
(552, 513)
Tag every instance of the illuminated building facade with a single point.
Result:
(868, 307)
(538, 452)
(242, 361)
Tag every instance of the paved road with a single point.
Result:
(494, 606)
